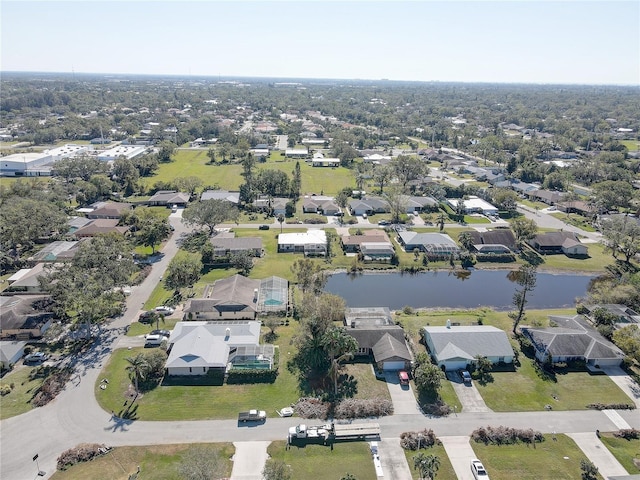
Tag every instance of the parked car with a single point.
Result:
(384, 222)
(403, 377)
(36, 357)
(263, 227)
(154, 340)
(146, 317)
(163, 333)
(164, 310)
(466, 376)
(478, 470)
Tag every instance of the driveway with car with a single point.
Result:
(468, 394)
(460, 455)
(404, 401)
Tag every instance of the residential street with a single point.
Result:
(75, 417)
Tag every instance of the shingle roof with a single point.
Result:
(494, 237)
(468, 342)
(389, 347)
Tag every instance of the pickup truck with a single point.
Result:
(252, 416)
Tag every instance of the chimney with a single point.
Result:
(448, 323)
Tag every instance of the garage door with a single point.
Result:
(393, 366)
(452, 366)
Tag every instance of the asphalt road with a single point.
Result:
(75, 417)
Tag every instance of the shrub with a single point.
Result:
(611, 406)
(254, 375)
(627, 434)
(51, 387)
(312, 408)
(437, 408)
(82, 453)
(363, 407)
(407, 310)
(417, 440)
(505, 435)
(5, 390)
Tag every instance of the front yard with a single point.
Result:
(627, 452)
(445, 472)
(18, 401)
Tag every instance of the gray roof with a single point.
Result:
(554, 239)
(23, 312)
(388, 347)
(233, 197)
(468, 342)
(237, 243)
(502, 236)
(9, 349)
(572, 337)
(236, 293)
(367, 337)
(430, 241)
(169, 197)
(59, 249)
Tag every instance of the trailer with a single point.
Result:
(252, 416)
(333, 432)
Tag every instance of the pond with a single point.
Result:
(459, 289)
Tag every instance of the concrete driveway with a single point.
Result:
(249, 460)
(460, 454)
(595, 451)
(625, 382)
(392, 459)
(469, 396)
(404, 401)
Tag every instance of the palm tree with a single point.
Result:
(441, 219)
(466, 240)
(340, 347)
(280, 220)
(427, 465)
(137, 368)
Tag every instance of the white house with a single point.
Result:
(311, 242)
(455, 347)
(474, 205)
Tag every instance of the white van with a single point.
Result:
(174, 208)
(153, 340)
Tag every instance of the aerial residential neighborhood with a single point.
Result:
(272, 277)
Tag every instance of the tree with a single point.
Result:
(276, 470)
(151, 229)
(183, 271)
(340, 346)
(612, 194)
(523, 229)
(125, 174)
(296, 182)
(466, 240)
(243, 261)
(210, 213)
(397, 203)
(201, 463)
(442, 218)
(622, 236)
(526, 278)
(280, 218)
(248, 188)
(211, 154)
(137, 368)
(273, 183)
(188, 184)
(427, 465)
(382, 174)
(407, 168)
(628, 340)
(505, 199)
(427, 377)
(165, 151)
(309, 274)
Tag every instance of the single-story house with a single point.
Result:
(420, 204)
(377, 159)
(113, 210)
(26, 279)
(325, 162)
(490, 248)
(296, 153)
(239, 297)
(23, 317)
(456, 347)
(320, 204)
(377, 251)
(76, 223)
(274, 205)
(368, 205)
(624, 314)
(352, 243)
(10, 353)
(378, 336)
(436, 244)
(577, 206)
(547, 196)
(57, 251)
(573, 338)
(558, 242)
(197, 347)
(229, 244)
(233, 197)
(100, 226)
(311, 242)
(168, 198)
(474, 205)
(501, 236)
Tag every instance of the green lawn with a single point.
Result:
(625, 451)
(159, 462)
(313, 461)
(18, 401)
(549, 460)
(597, 261)
(445, 472)
(368, 386)
(200, 402)
(138, 328)
(632, 145)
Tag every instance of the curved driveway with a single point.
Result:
(75, 417)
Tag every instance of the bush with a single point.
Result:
(312, 408)
(363, 407)
(495, 257)
(4, 390)
(505, 435)
(417, 440)
(627, 434)
(611, 406)
(237, 376)
(82, 453)
(51, 387)
(437, 408)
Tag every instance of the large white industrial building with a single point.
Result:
(38, 164)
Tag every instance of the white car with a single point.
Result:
(479, 473)
(164, 310)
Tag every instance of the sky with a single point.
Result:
(507, 41)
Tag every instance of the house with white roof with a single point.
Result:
(474, 205)
(454, 347)
(195, 348)
(311, 242)
(126, 151)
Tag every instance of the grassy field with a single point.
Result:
(595, 262)
(550, 460)
(312, 461)
(18, 401)
(194, 163)
(199, 402)
(625, 451)
(159, 462)
(445, 472)
(631, 144)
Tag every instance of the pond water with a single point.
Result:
(460, 289)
